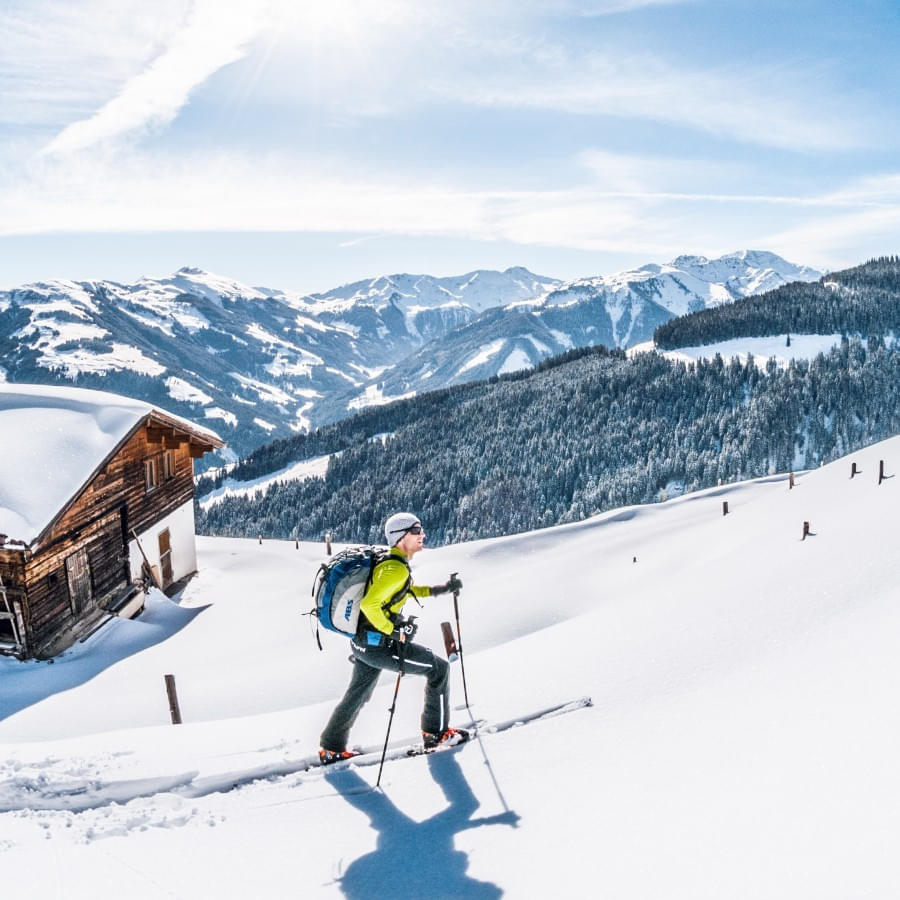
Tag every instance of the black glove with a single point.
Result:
(452, 586)
(405, 630)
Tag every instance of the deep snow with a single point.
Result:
(52, 440)
(742, 742)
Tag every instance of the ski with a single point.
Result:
(402, 749)
(366, 756)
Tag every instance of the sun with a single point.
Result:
(327, 21)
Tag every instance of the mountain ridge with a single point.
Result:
(257, 363)
(619, 310)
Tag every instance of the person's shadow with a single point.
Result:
(416, 859)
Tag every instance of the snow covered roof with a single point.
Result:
(53, 439)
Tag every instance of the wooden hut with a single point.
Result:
(96, 499)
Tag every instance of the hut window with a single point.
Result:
(7, 628)
(169, 465)
(151, 474)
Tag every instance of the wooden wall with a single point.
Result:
(100, 521)
(12, 568)
(122, 480)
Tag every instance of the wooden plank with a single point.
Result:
(78, 574)
(153, 576)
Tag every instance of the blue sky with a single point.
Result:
(305, 145)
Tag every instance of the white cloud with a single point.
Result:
(841, 239)
(209, 193)
(876, 190)
(275, 193)
(214, 35)
(773, 107)
(60, 61)
(641, 173)
(608, 7)
(364, 57)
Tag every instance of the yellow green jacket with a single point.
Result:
(391, 579)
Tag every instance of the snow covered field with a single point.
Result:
(742, 743)
(761, 349)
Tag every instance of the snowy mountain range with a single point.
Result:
(619, 310)
(250, 362)
(257, 363)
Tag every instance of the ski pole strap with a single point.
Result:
(401, 654)
(314, 614)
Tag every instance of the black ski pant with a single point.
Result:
(368, 663)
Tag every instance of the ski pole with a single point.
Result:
(400, 654)
(462, 659)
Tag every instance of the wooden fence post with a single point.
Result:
(791, 482)
(724, 507)
(260, 540)
(805, 530)
(853, 470)
(880, 470)
(174, 709)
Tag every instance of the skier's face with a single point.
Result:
(413, 541)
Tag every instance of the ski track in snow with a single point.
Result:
(70, 791)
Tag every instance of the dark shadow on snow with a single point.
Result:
(416, 859)
(23, 684)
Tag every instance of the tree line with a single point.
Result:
(584, 433)
(863, 301)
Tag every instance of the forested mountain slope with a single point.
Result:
(862, 301)
(586, 432)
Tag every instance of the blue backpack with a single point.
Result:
(342, 582)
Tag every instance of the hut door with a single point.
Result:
(78, 572)
(9, 633)
(165, 557)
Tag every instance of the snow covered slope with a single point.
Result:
(742, 741)
(618, 310)
(256, 362)
(780, 347)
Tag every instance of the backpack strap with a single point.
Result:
(407, 585)
(378, 557)
(322, 573)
